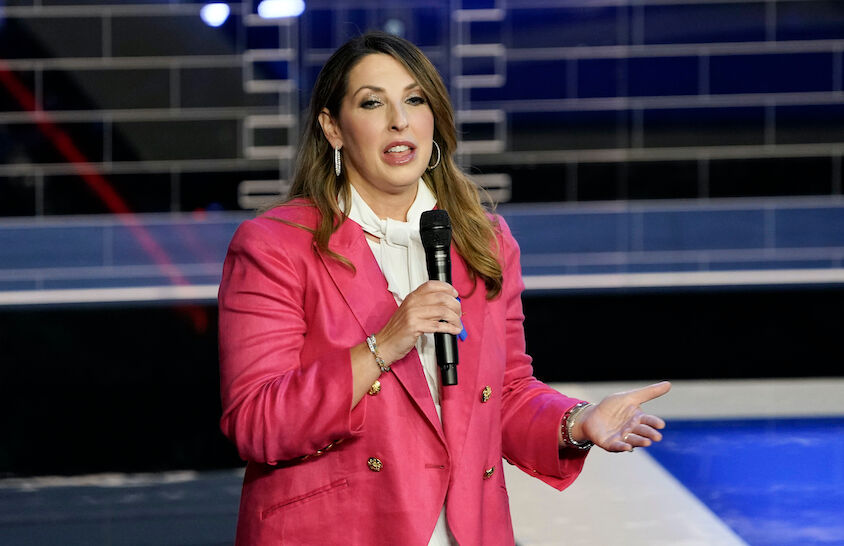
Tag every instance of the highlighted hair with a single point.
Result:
(473, 232)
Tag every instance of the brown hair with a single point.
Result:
(474, 234)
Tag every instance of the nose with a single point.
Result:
(398, 121)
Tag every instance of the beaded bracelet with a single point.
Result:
(373, 348)
(568, 424)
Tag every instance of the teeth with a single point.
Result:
(397, 149)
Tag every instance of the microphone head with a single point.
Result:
(435, 228)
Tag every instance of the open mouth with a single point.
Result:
(399, 153)
(398, 149)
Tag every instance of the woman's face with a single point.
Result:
(385, 128)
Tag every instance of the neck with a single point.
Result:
(388, 205)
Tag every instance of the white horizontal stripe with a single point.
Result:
(139, 115)
(205, 292)
(131, 63)
(143, 167)
(663, 102)
(672, 50)
(208, 292)
(674, 153)
(107, 272)
(684, 278)
(730, 398)
(574, 259)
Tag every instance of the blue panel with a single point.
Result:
(477, 4)
(775, 482)
(770, 265)
(782, 73)
(320, 28)
(563, 27)
(810, 123)
(12, 286)
(809, 227)
(166, 243)
(486, 32)
(651, 76)
(80, 255)
(663, 267)
(819, 20)
(131, 282)
(565, 130)
(541, 233)
(597, 269)
(430, 27)
(601, 77)
(705, 23)
(703, 126)
(703, 229)
(60, 246)
(552, 74)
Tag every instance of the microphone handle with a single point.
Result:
(439, 269)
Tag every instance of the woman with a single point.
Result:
(329, 381)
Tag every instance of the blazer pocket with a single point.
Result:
(307, 497)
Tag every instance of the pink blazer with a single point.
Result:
(320, 472)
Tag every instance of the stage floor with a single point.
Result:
(743, 462)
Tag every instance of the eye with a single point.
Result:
(416, 100)
(370, 103)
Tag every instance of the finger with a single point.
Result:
(436, 318)
(634, 440)
(450, 302)
(432, 302)
(646, 431)
(446, 328)
(437, 286)
(652, 421)
(438, 312)
(644, 394)
(617, 446)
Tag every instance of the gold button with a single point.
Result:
(486, 393)
(375, 388)
(489, 472)
(375, 464)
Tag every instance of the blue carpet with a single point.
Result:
(773, 481)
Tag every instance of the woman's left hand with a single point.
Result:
(617, 423)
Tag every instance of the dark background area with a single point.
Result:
(108, 388)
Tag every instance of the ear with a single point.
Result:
(330, 128)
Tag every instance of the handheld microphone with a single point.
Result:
(435, 230)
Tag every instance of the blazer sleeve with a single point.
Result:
(532, 412)
(276, 407)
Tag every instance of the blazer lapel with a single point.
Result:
(365, 292)
(459, 401)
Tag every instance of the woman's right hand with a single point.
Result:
(422, 311)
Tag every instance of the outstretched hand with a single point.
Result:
(617, 423)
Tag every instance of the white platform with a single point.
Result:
(628, 498)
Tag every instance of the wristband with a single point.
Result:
(568, 423)
(373, 348)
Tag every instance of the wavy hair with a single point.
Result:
(473, 232)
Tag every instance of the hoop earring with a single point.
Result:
(439, 156)
(337, 167)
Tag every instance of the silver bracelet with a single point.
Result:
(373, 348)
(568, 423)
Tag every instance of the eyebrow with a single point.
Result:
(381, 89)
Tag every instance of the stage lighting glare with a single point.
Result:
(214, 15)
(276, 9)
